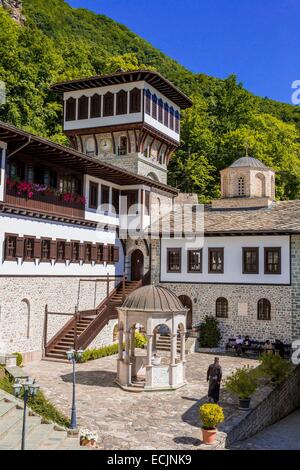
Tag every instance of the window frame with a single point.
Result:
(259, 312)
(122, 103)
(211, 250)
(273, 249)
(108, 106)
(254, 250)
(95, 106)
(135, 101)
(222, 315)
(25, 258)
(93, 194)
(42, 259)
(58, 241)
(6, 237)
(68, 115)
(83, 108)
(179, 250)
(189, 270)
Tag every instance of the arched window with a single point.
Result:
(160, 110)
(96, 106)
(263, 309)
(166, 116)
(241, 186)
(90, 147)
(108, 104)
(148, 102)
(71, 109)
(154, 107)
(172, 118)
(222, 307)
(83, 107)
(177, 122)
(122, 102)
(135, 100)
(122, 150)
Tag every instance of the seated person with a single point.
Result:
(246, 344)
(238, 344)
(156, 360)
(268, 347)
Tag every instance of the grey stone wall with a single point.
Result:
(284, 399)
(22, 309)
(295, 270)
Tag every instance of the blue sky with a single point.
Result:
(258, 40)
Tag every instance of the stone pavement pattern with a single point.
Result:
(283, 435)
(124, 420)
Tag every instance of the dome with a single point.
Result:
(248, 162)
(153, 299)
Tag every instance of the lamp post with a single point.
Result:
(73, 356)
(30, 389)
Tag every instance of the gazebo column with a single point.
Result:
(132, 342)
(173, 348)
(127, 356)
(149, 366)
(182, 346)
(121, 340)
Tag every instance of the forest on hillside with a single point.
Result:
(57, 42)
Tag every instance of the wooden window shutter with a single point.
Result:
(68, 250)
(37, 249)
(105, 253)
(94, 252)
(20, 247)
(53, 244)
(116, 254)
(81, 251)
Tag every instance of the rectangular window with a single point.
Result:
(28, 249)
(87, 252)
(93, 196)
(60, 251)
(45, 250)
(100, 251)
(75, 251)
(250, 260)
(216, 260)
(104, 194)
(273, 260)
(195, 261)
(174, 260)
(11, 247)
(115, 200)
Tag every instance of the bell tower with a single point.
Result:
(129, 119)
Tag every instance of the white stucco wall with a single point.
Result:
(233, 263)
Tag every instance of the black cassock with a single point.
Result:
(214, 376)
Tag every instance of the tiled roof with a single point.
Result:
(281, 217)
(248, 162)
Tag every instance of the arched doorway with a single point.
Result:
(137, 265)
(187, 303)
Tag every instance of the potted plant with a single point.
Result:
(243, 383)
(88, 438)
(211, 416)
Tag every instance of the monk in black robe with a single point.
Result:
(214, 377)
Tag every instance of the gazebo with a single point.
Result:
(151, 306)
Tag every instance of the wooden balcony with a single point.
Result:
(47, 203)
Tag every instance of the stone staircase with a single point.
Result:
(163, 343)
(81, 330)
(40, 435)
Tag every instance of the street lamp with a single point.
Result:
(74, 356)
(30, 389)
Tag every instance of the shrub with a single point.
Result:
(210, 335)
(275, 367)
(211, 415)
(19, 358)
(92, 354)
(243, 382)
(140, 340)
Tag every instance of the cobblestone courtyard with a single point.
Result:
(147, 420)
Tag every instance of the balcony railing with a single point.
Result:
(49, 203)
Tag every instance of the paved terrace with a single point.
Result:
(147, 420)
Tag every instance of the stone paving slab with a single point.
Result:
(148, 420)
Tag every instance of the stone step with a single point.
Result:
(9, 422)
(40, 435)
(13, 436)
(6, 407)
(53, 355)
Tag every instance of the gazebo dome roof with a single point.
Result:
(153, 299)
(248, 162)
